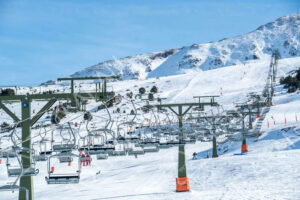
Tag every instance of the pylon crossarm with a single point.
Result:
(187, 110)
(173, 110)
(42, 111)
(11, 114)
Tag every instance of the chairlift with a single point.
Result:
(65, 144)
(14, 171)
(45, 148)
(136, 150)
(13, 186)
(58, 113)
(97, 144)
(102, 156)
(65, 157)
(65, 178)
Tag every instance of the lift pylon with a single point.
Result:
(182, 181)
(28, 121)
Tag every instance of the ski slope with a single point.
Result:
(269, 171)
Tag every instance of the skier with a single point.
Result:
(83, 161)
(194, 156)
(88, 159)
(207, 155)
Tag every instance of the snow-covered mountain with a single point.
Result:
(282, 34)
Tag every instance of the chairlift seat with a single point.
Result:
(42, 157)
(165, 145)
(45, 152)
(190, 141)
(102, 156)
(63, 147)
(153, 148)
(62, 178)
(9, 188)
(136, 151)
(13, 172)
(6, 154)
(173, 143)
(97, 149)
(118, 153)
(65, 159)
(149, 142)
(132, 138)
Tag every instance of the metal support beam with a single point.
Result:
(42, 111)
(26, 181)
(181, 151)
(182, 175)
(27, 122)
(215, 148)
(11, 114)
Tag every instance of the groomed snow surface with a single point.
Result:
(270, 170)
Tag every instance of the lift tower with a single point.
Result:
(27, 121)
(75, 101)
(182, 182)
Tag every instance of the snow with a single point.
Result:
(282, 34)
(270, 170)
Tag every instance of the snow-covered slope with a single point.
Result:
(132, 67)
(269, 171)
(282, 34)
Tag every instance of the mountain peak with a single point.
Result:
(282, 34)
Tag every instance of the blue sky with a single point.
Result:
(46, 39)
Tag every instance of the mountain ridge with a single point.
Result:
(282, 34)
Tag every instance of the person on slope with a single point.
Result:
(194, 156)
(82, 160)
(88, 159)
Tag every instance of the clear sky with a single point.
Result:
(46, 39)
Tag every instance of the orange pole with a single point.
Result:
(285, 120)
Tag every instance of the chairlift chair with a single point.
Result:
(13, 186)
(66, 144)
(137, 150)
(150, 145)
(102, 156)
(65, 178)
(14, 171)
